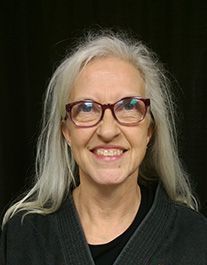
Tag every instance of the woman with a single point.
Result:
(110, 188)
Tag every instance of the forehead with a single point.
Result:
(107, 79)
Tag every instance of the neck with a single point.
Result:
(102, 208)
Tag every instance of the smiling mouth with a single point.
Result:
(111, 152)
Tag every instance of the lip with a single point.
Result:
(109, 157)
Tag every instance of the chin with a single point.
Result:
(110, 179)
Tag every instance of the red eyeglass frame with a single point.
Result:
(69, 107)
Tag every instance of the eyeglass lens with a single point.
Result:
(86, 113)
(129, 110)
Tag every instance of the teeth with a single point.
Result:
(109, 152)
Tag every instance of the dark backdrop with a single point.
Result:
(35, 35)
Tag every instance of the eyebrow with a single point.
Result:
(98, 100)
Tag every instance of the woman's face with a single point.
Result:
(109, 153)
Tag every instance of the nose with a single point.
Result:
(108, 129)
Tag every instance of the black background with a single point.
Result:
(35, 36)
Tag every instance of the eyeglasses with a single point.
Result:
(128, 111)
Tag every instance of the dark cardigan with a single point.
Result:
(170, 234)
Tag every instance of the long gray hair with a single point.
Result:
(56, 169)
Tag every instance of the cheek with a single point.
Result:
(138, 137)
(80, 139)
(77, 145)
(139, 146)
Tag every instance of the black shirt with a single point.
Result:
(105, 254)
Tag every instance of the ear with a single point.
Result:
(150, 132)
(66, 131)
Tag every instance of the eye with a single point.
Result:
(130, 104)
(85, 111)
(85, 107)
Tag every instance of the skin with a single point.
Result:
(108, 185)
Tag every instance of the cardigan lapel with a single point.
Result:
(75, 247)
(151, 232)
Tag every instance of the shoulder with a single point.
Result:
(189, 228)
(185, 223)
(184, 215)
(186, 233)
(22, 225)
(30, 239)
(25, 222)
(190, 217)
